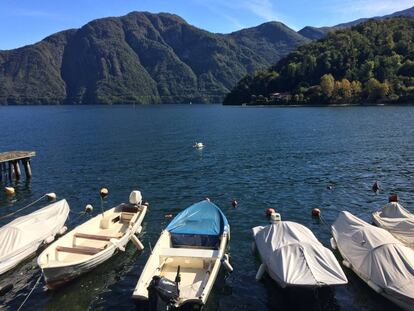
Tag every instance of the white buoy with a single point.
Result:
(226, 263)
(260, 272)
(63, 230)
(51, 196)
(374, 286)
(9, 190)
(346, 263)
(49, 239)
(88, 208)
(333, 243)
(137, 242)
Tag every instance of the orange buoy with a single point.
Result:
(393, 198)
(234, 203)
(104, 192)
(269, 212)
(316, 212)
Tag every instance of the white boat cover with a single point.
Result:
(377, 256)
(28, 232)
(397, 220)
(294, 257)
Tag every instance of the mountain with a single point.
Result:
(139, 58)
(371, 62)
(315, 33)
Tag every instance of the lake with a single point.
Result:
(264, 157)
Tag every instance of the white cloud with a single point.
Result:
(261, 8)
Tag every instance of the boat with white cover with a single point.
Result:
(293, 256)
(92, 242)
(394, 218)
(185, 262)
(23, 236)
(377, 257)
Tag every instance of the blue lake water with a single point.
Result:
(263, 157)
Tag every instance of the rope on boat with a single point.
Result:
(31, 291)
(23, 208)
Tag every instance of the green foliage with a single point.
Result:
(139, 58)
(371, 62)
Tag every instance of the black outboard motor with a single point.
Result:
(163, 293)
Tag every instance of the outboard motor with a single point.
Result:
(163, 293)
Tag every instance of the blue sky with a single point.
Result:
(28, 21)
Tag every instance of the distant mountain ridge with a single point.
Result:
(145, 58)
(316, 33)
(139, 58)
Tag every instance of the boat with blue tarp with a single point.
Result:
(186, 260)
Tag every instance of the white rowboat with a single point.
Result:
(186, 259)
(92, 242)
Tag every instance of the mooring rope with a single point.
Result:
(23, 208)
(31, 291)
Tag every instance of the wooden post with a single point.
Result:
(11, 170)
(17, 172)
(27, 169)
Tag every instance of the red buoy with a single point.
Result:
(393, 198)
(270, 211)
(316, 212)
(234, 203)
(375, 186)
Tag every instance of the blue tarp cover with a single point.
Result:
(201, 218)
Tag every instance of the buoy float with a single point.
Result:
(316, 212)
(393, 198)
(275, 218)
(88, 208)
(51, 196)
(234, 203)
(346, 263)
(168, 216)
(333, 243)
(49, 239)
(269, 212)
(225, 262)
(104, 192)
(9, 190)
(63, 230)
(207, 199)
(137, 242)
(260, 272)
(376, 187)
(329, 187)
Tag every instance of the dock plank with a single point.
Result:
(15, 155)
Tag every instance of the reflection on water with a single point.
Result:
(263, 157)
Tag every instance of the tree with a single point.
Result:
(327, 84)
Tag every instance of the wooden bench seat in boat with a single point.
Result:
(189, 253)
(97, 237)
(79, 250)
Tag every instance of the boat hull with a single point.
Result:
(57, 273)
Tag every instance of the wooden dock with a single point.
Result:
(9, 164)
